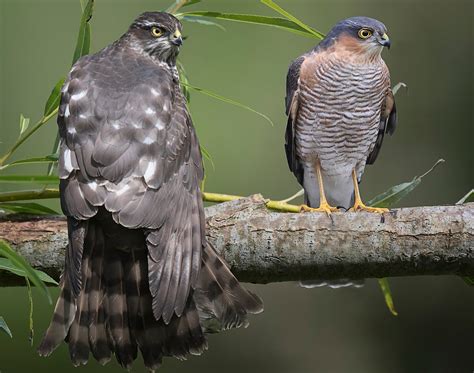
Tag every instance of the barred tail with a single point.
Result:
(113, 313)
(223, 303)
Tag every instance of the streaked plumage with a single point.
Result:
(139, 273)
(339, 105)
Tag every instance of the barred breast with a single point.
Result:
(339, 113)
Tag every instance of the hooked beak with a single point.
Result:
(176, 38)
(385, 41)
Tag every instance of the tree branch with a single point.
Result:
(262, 246)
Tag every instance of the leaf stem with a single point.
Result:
(25, 137)
(207, 197)
(178, 4)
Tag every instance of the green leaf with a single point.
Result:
(84, 37)
(7, 265)
(19, 262)
(26, 208)
(4, 327)
(398, 86)
(36, 179)
(469, 197)
(292, 18)
(203, 21)
(468, 280)
(227, 100)
(207, 156)
(183, 78)
(24, 123)
(278, 22)
(31, 325)
(53, 100)
(46, 159)
(397, 192)
(383, 282)
(178, 4)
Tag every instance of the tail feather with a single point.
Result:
(113, 313)
(79, 332)
(98, 338)
(220, 297)
(63, 316)
(125, 348)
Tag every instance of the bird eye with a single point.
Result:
(365, 33)
(156, 32)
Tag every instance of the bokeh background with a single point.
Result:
(323, 330)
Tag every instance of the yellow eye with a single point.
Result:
(156, 32)
(365, 33)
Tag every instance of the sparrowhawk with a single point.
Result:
(139, 273)
(339, 105)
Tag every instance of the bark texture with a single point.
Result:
(262, 246)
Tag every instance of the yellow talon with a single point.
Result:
(358, 204)
(323, 207)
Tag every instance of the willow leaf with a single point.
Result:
(19, 262)
(278, 22)
(292, 18)
(4, 327)
(227, 100)
(383, 282)
(35, 179)
(393, 195)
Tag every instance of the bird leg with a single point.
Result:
(358, 204)
(323, 203)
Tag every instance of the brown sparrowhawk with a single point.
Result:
(339, 105)
(139, 273)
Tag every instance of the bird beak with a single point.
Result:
(385, 41)
(177, 39)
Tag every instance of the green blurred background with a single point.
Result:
(321, 330)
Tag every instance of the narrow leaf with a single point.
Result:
(35, 179)
(278, 22)
(397, 192)
(469, 197)
(26, 208)
(19, 262)
(24, 123)
(383, 282)
(468, 280)
(398, 86)
(46, 159)
(203, 21)
(207, 156)
(84, 36)
(227, 100)
(178, 4)
(53, 100)
(7, 265)
(183, 78)
(30, 298)
(4, 327)
(289, 16)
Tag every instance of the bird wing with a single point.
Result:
(292, 104)
(388, 122)
(128, 143)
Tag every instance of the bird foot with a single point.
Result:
(323, 207)
(359, 206)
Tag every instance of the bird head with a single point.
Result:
(157, 34)
(362, 35)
